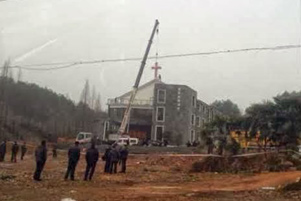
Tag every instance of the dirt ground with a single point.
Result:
(149, 177)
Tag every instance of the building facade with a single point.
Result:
(162, 111)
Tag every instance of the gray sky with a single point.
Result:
(43, 31)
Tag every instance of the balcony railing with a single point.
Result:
(121, 101)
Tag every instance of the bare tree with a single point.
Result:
(93, 97)
(97, 107)
(85, 95)
(84, 100)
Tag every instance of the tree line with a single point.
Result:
(274, 123)
(28, 110)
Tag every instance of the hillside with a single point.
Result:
(30, 111)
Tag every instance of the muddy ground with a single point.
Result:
(149, 177)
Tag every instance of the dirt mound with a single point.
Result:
(251, 163)
(210, 164)
(296, 186)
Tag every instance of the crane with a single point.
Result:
(125, 119)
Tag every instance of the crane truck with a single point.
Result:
(122, 129)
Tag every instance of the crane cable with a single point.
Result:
(157, 44)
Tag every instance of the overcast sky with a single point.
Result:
(43, 31)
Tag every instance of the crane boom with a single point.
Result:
(125, 119)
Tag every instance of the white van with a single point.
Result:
(84, 137)
(130, 141)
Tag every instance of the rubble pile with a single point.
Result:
(295, 186)
(251, 164)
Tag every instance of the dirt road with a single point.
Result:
(149, 177)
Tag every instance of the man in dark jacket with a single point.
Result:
(23, 150)
(91, 159)
(106, 157)
(2, 151)
(114, 158)
(41, 157)
(123, 157)
(73, 156)
(14, 152)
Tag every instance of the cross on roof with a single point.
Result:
(156, 68)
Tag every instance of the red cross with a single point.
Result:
(156, 68)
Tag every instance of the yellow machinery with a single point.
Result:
(241, 137)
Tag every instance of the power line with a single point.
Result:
(64, 65)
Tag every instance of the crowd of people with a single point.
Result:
(113, 156)
(14, 151)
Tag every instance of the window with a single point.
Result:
(88, 135)
(192, 135)
(193, 101)
(161, 96)
(120, 112)
(160, 114)
(198, 121)
(192, 119)
(81, 136)
(159, 133)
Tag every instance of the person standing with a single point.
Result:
(73, 156)
(106, 157)
(2, 150)
(114, 158)
(91, 159)
(123, 158)
(41, 157)
(23, 150)
(14, 152)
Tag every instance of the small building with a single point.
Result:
(162, 111)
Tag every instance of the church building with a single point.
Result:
(161, 111)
